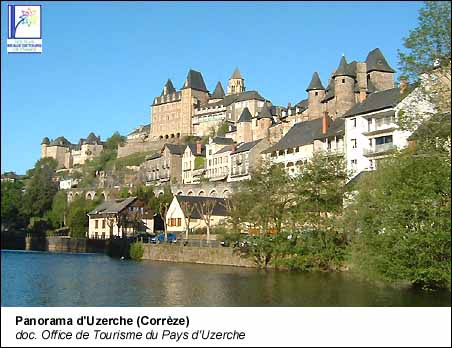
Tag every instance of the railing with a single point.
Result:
(331, 151)
(380, 148)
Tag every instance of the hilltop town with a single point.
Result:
(202, 142)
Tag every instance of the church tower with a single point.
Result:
(236, 83)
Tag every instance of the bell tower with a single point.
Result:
(236, 83)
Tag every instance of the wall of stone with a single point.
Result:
(63, 244)
(203, 255)
(131, 148)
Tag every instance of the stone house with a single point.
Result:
(164, 166)
(305, 139)
(139, 134)
(245, 158)
(218, 158)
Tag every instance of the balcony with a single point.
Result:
(380, 149)
(330, 152)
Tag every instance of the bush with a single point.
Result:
(136, 251)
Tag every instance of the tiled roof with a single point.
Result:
(315, 84)
(246, 146)
(245, 116)
(377, 62)
(224, 149)
(195, 81)
(218, 93)
(222, 140)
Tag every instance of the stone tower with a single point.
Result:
(378, 70)
(316, 92)
(344, 81)
(261, 123)
(218, 93)
(193, 92)
(45, 142)
(244, 132)
(236, 83)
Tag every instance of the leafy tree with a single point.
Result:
(77, 218)
(57, 215)
(12, 198)
(41, 189)
(401, 218)
(205, 209)
(114, 141)
(188, 210)
(429, 43)
(136, 251)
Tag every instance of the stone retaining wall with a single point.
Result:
(204, 255)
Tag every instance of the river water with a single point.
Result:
(66, 279)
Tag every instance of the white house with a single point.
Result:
(371, 131)
(193, 163)
(218, 162)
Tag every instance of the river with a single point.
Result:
(65, 279)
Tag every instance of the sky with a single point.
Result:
(104, 62)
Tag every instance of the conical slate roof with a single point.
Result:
(377, 62)
(236, 74)
(342, 68)
(168, 88)
(315, 84)
(218, 93)
(45, 141)
(245, 116)
(264, 113)
(195, 81)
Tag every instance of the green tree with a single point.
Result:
(77, 218)
(401, 218)
(57, 215)
(429, 43)
(41, 189)
(12, 198)
(114, 141)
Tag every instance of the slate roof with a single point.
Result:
(234, 98)
(175, 149)
(377, 62)
(245, 116)
(244, 147)
(45, 141)
(224, 149)
(153, 156)
(218, 210)
(112, 206)
(168, 88)
(376, 101)
(303, 105)
(91, 139)
(315, 84)
(236, 74)
(329, 91)
(193, 148)
(60, 141)
(195, 81)
(222, 140)
(304, 133)
(264, 113)
(218, 93)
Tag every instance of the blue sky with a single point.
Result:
(104, 62)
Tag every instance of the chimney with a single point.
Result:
(325, 122)
(403, 84)
(198, 148)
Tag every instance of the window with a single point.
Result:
(370, 142)
(354, 144)
(179, 221)
(383, 140)
(103, 223)
(103, 235)
(297, 149)
(369, 124)
(96, 235)
(343, 80)
(354, 122)
(371, 164)
(354, 163)
(96, 223)
(316, 93)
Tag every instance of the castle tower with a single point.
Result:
(236, 83)
(378, 70)
(262, 122)
(44, 143)
(168, 88)
(244, 132)
(193, 93)
(316, 92)
(344, 80)
(218, 93)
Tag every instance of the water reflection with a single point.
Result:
(50, 279)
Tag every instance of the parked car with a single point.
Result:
(144, 236)
(171, 238)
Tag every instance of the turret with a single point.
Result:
(379, 71)
(236, 83)
(344, 80)
(218, 93)
(168, 88)
(316, 92)
(44, 143)
(244, 132)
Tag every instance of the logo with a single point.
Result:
(24, 29)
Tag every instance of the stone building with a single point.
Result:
(164, 166)
(71, 155)
(218, 158)
(139, 134)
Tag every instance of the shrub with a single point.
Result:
(136, 251)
